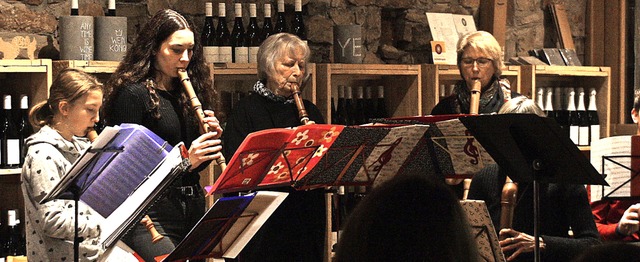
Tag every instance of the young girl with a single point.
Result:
(64, 119)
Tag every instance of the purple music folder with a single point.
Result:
(122, 165)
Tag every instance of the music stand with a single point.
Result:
(531, 148)
(119, 176)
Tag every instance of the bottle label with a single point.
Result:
(253, 54)
(574, 134)
(225, 54)
(13, 151)
(242, 54)
(211, 54)
(595, 133)
(583, 136)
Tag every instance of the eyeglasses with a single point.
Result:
(482, 62)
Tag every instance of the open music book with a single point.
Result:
(227, 226)
(614, 157)
(120, 176)
(313, 156)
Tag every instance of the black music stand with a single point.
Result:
(532, 149)
(119, 176)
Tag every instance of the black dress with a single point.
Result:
(295, 231)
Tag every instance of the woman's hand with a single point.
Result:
(213, 123)
(516, 243)
(207, 146)
(628, 223)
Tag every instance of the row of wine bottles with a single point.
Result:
(12, 242)
(14, 129)
(358, 105)
(241, 44)
(580, 123)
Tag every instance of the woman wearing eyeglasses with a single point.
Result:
(479, 58)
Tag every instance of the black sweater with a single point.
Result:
(562, 206)
(295, 231)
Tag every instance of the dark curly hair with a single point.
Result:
(137, 65)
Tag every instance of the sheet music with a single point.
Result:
(80, 164)
(615, 174)
(115, 224)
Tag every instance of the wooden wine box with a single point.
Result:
(402, 85)
(17, 77)
(587, 77)
(100, 69)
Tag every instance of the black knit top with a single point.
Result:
(562, 206)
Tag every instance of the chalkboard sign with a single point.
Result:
(76, 37)
(110, 38)
(347, 44)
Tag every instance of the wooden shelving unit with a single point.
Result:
(402, 85)
(17, 77)
(100, 69)
(573, 76)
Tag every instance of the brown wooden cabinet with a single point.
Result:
(597, 77)
(402, 85)
(17, 77)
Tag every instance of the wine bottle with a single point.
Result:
(223, 38)
(281, 22)
(74, 7)
(548, 105)
(369, 106)
(208, 36)
(358, 112)
(594, 120)
(10, 138)
(14, 246)
(561, 113)
(340, 109)
(253, 34)
(574, 123)
(267, 27)
(381, 108)
(238, 41)
(540, 97)
(297, 24)
(349, 106)
(24, 127)
(583, 119)
(111, 8)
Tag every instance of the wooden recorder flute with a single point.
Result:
(510, 188)
(197, 107)
(297, 97)
(474, 107)
(146, 221)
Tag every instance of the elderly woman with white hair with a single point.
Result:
(479, 59)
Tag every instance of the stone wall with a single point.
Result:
(394, 31)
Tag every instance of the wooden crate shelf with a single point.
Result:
(403, 95)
